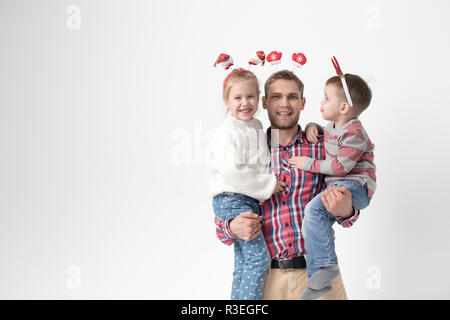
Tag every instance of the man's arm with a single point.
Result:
(246, 226)
(223, 232)
(338, 202)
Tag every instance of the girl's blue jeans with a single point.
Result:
(317, 225)
(251, 258)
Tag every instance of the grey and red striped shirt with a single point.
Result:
(349, 155)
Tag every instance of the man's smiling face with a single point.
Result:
(284, 102)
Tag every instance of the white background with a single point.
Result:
(106, 108)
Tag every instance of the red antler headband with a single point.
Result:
(344, 83)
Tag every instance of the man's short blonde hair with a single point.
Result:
(284, 75)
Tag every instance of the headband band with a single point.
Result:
(344, 83)
(232, 74)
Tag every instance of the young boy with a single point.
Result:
(349, 162)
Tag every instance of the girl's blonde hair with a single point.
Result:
(235, 76)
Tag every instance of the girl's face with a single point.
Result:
(331, 104)
(243, 100)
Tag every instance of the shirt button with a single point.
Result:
(287, 224)
(290, 244)
(284, 202)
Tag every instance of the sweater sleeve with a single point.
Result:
(351, 148)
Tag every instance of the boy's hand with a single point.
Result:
(312, 133)
(298, 162)
(279, 187)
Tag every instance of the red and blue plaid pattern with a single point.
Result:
(283, 212)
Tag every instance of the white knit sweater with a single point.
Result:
(239, 160)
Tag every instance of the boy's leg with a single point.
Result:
(318, 234)
(320, 271)
(359, 193)
(256, 263)
(321, 256)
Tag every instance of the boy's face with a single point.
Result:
(332, 103)
(243, 100)
(284, 102)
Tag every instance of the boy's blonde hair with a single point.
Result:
(359, 91)
(238, 76)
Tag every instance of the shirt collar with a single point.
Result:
(297, 138)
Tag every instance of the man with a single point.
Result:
(282, 213)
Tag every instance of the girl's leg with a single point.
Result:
(256, 264)
(237, 273)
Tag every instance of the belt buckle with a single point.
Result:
(286, 264)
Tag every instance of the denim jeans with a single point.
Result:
(251, 258)
(317, 225)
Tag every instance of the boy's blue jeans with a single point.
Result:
(251, 259)
(317, 225)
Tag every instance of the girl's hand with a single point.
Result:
(298, 162)
(311, 133)
(279, 187)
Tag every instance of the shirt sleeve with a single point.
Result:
(348, 222)
(223, 232)
(351, 149)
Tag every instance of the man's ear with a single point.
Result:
(303, 103)
(264, 102)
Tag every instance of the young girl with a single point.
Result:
(239, 165)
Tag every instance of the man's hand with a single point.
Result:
(338, 201)
(246, 226)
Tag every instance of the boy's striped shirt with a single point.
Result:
(349, 155)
